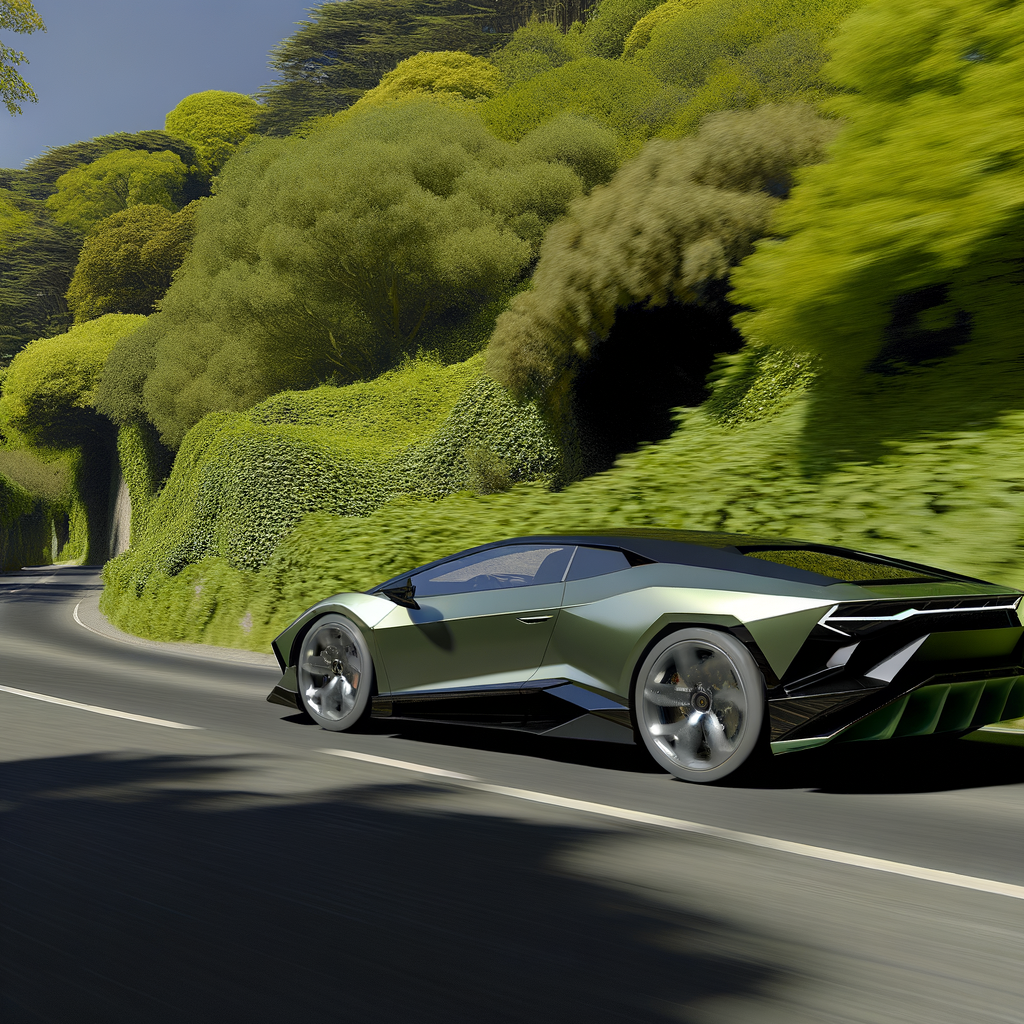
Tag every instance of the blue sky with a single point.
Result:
(107, 66)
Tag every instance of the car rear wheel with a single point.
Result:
(335, 673)
(699, 704)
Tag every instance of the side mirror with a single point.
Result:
(404, 594)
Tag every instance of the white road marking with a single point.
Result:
(83, 625)
(425, 769)
(821, 853)
(97, 710)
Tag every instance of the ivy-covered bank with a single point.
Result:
(755, 460)
(242, 482)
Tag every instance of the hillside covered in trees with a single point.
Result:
(467, 271)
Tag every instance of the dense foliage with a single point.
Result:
(49, 392)
(128, 260)
(37, 255)
(342, 252)
(670, 222)
(736, 54)
(216, 123)
(241, 482)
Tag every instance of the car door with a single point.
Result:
(483, 619)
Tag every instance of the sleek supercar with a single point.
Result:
(707, 646)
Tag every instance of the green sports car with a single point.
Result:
(706, 646)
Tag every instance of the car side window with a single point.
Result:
(590, 562)
(512, 565)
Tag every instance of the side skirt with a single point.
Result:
(547, 707)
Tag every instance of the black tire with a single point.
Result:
(699, 704)
(335, 673)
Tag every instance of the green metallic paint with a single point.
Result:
(462, 638)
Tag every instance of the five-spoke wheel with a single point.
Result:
(335, 673)
(699, 703)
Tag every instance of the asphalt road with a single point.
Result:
(234, 871)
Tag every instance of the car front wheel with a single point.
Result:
(699, 703)
(335, 674)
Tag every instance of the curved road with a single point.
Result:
(239, 869)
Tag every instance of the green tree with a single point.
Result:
(610, 23)
(341, 253)
(536, 47)
(737, 54)
(128, 260)
(38, 258)
(215, 122)
(447, 74)
(911, 237)
(623, 97)
(48, 402)
(88, 194)
(677, 217)
(17, 16)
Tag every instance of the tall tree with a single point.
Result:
(17, 16)
(341, 253)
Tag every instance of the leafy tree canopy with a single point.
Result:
(17, 16)
(215, 122)
(914, 229)
(88, 194)
(448, 74)
(676, 217)
(128, 261)
(623, 97)
(347, 47)
(50, 389)
(536, 47)
(342, 252)
(38, 259)
(610, 23)
(736, 54)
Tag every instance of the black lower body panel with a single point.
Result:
(550, 707)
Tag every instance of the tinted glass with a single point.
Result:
(841, 567)
(513, 565)
(596, 562)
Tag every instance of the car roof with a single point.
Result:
(706, 549)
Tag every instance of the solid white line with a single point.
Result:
(424, 769)
(83, 625)
(96, 710)
(821, 853)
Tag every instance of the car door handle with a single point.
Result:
(531, 619)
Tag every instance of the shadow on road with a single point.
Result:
(164, 889)
(919, 765)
